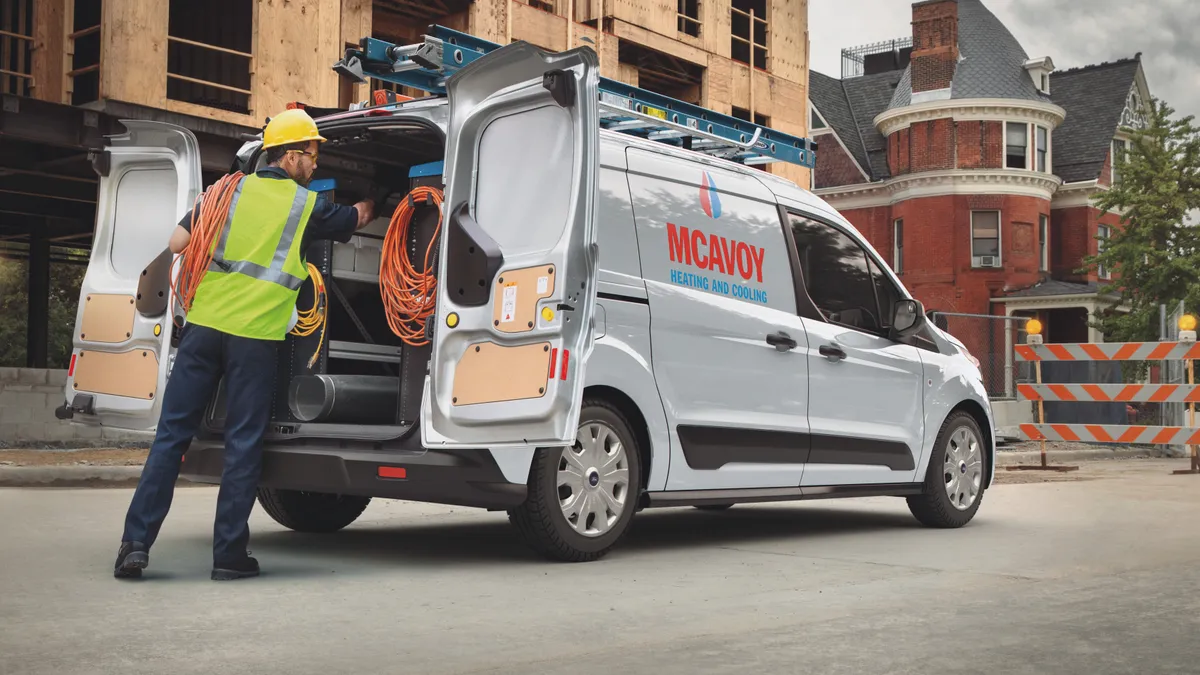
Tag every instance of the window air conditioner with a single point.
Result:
(987, 261)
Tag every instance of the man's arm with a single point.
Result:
(179, 239)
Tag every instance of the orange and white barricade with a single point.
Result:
(1037, 352)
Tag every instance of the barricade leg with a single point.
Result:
(1036, 338)
(1195, 460)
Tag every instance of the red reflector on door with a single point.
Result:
(566, 359)
(393, 472)
(553, 361)
(71, 368)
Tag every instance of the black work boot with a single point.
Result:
(235, 569)
(132, 558)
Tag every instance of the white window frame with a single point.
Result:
(1112, 164)
(1028, 145)
(1104, 232)
(898, 246)
(999, 239)
(1044, 242)
(1031, 129)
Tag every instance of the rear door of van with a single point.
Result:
(518, 261)
(149, 177)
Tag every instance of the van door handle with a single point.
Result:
(781, 341)
(832, 352)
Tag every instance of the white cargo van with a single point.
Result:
(620, 324)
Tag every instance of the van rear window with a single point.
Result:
(143, 217)
(526, 171)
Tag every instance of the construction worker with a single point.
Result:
(241, 312)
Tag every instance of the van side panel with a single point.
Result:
(719, 282)
(620, 266)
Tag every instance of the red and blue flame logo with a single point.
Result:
(710, 200)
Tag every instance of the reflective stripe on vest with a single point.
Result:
(273, 274)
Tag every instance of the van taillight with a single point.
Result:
(395, 472)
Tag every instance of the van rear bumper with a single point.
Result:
(458, 477)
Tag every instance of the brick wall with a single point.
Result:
(899, 155)
(834, 166)
(875, 224)
(28, 398)
(933, 145)
(944, 144)
(1070, 241)
(1074, 238)
(937, 247)
(980, 144)
(935, 44)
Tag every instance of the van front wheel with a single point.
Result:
(954, 481)
(581, 499)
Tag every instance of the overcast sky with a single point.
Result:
(1072, 32)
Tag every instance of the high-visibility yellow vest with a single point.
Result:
(251, 286)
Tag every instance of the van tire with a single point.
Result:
(540, 520)
(318, 512)
(933, 507)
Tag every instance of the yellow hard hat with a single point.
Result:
(290, 126)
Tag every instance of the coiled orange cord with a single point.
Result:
(408, 294)
(309, 320)
(207, 222)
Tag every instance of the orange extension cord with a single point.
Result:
(408, 294)
(207, 222)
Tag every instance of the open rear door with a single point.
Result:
(518, 260)
(149, 177)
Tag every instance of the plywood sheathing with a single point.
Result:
(50, 50)
(356, 24)
(134, 52)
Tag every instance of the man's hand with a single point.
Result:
(366, 213)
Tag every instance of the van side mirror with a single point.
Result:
(908, 318)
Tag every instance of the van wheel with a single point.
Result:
(954, 481)
(581, 499)
(311, 511)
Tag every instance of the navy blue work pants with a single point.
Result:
(249, 368)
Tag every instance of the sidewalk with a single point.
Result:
(121, 467)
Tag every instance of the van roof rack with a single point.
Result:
(427, 65)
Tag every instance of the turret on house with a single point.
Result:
(973, 164)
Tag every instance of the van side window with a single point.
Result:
(838, 275)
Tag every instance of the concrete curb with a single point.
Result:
(73, 476)
(69, 476)
(1012, 458)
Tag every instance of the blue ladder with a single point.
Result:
(425, 66)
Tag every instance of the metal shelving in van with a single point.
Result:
(624, 108)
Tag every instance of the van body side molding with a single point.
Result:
(788, 494)
(710, 448)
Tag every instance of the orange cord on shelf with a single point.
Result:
(207, 222)
(408, 293)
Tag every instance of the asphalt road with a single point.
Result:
(1095, 576)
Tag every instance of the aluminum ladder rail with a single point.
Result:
(427, 65)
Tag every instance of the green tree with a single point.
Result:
(65, 281)
(1154, 254)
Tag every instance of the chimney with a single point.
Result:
(935, 44)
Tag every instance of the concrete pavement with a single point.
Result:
(1096, 574)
